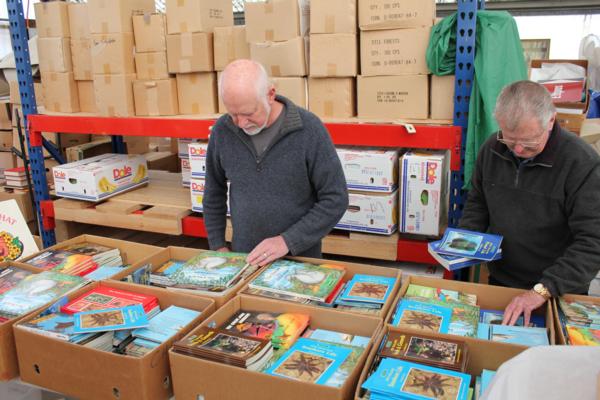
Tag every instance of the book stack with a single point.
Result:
(165, 325)
(366, 291)
(495, 317)
(16, 178)
(580, 322)
(521, 335)
(103, 297)
(460, 248)
(11, 276)
(482, 382)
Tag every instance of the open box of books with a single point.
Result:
(305, 368)
(174, 268)
(351, 287)
(577, 320)
(57, 358)
(467, 309)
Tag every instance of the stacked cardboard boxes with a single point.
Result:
(230, 44)
(81, 55)
(184, 156)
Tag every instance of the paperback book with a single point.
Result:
(465, 317)
(102, 297)
(578, 312)
(453, 263)
(16, 240)
(110, 319)
(210, 269)
(11, 276)
(523, 336)
(446, 295)
(464, 243)
(422, 316)
(495, 317)
(368, 289)
(166, 324)
(325, 335)
(57, 325)
(580, 336)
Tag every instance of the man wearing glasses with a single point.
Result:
(538, 186)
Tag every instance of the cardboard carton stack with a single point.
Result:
(183, 152)
(394, 80)
(197, 165)
(190, 55)
(81, 55)
(54, 53)
(230, 44)
(333, 58)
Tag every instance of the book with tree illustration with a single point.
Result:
(210, 268)
(368, 288)
(422, 316)
(447, 295)
(16, 240)
(110, 319)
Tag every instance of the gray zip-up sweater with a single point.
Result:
(296, 188)
(547, 209)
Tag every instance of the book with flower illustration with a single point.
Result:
(368, 288)
(422, 316)
(102, 297)
(310, 281)
(110, 319)
(16, 240)
(210, 269)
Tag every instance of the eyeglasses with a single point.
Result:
(527, 145)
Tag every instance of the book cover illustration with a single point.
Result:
(580, 336)
(90, 249)
(446, 295)
(166, 324)
(325, 335)
(103, 297)
(422, 316)
(210, 268)
(486, 379)
(11, 276)
(16, 240)
(57, 325)
(222, 345)
(465, 317)
(495, 317)
(453, 263)
(110, 319)
(519, 335)
(461, 242)
(368, 288)
(579, 312)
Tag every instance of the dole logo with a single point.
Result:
(197, 151)
(120, 173)
(431, 173)
(197, 187)
(60, 175)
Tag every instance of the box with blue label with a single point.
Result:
(371, 212)
(370, 170)
(424, 180)
(100, 177)
(197, 193)
(197, 152)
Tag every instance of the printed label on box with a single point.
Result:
(373, 213)
(370, 170)
(197, 152)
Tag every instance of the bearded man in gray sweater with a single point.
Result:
(287, 187)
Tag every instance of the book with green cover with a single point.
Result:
(210, 268)
(447, 295)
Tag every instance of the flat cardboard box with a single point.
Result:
(197, 93)
(394, 52)
(424, 181)
(371, 213)
(81, 52)
(292, 88)
(332, 97)
(197, 159)
(187, 16)
(272, 21)
(333, 55)
(151, 66)
(230, 44)
(392, 14)
(6, 139)
(52, 19)
(150, 32)
(87, 98)
(393, 97)
(60, 91)
(442, 97)
(79, 21)
(23, 200)
(369, 170)
(114, 16)
(190, 52)
(54, 54)
(86, 150)
(114, 95)
(333, 16)
(195, 378)
(162, 161)
(281, 58)
(560, 335)
(103, 375)
(112, 53)
(157, 97)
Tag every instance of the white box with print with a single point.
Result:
(371, 212)
(186, 172)
(197, 152)
(370, 170)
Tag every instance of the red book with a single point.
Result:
(103, 297)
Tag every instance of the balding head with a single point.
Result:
(244, 79)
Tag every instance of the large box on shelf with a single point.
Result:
(112, 53)
(79, 21)
(87, 98)
(394, 52)
(272, 21)
(333, 55)
(391, 14)
(114, 16)
(197, 193)
(54, 54)
(197, 153)
(442, 97)
(150, 66)
(230, 44)
(332, 97)
(293, 88)
(190, 52)
(158, 97)
(186, 172)
(197, 93)
(195, 378)
(81, 51)
(150, 33)
(53, 364)
(114, 95)
(333, 16)
(393, 97)
(424, 178)
(281, 58)
(371, 212)
(184, 16)
(369, 170)
(100, 177)
(60, 92)
(52, 19)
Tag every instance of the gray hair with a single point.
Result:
(261, 80)
(524, 99)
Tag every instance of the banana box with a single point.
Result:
(182, 146)
(100, 177)
(371, 212)
(197, 153)
(197, 193)
(369, 170)
(186, 172)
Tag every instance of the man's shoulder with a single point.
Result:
(574, 147)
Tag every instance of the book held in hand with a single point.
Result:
(464, 243)
(453, 263)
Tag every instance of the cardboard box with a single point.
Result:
(442, 97)
(5, 116)
(7, 160)
(23, 200)
(394, 52)
(162, 161)
(272, 21)
(54, 54)
(197, 193)
(114, 16)
(79, 21)
(333, 16)
(186, 172)
(87, 98)
(570, 122)
(183, 146)
(88, 150)
(424, 178)
(332, 97)
(197, 93)
(157, 97)
(333, 55)
(190, 52)
(391, 14)
(292, 88)
(393, 97)
(197, 160)
(114, 95)
(281, 58)
(81, 53)
(560, 335)
(60, 91)
(100, 177)
(195, 378)
(187, 16)
(151, 66)
(6, 139)
(112, 53)
(150, 32)
(42, 358)
(230, 44)
(52, 19)
(137, 144)
(371, 212)
(369, 170)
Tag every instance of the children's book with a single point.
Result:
(11, 276)
(486, 379)
(483, 331)
(584, 313)
(110, 319)
(166, 324)
(211, 268)
(453, 263)
(464, 243)
(311, 281)
(368, 288)
(495, 317)
(580, 336)
(325, 335)
(103, 272)
(103, 297)
(447, 295)
(519, 335)
(56, 325)
(16, 240)
(465, 317)
(422, 316)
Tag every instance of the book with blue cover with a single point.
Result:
(368, 288)
(446, 295)
(56, 325)
(496, 316)
(519, 335)
(453, 263)
(337, 337)
(483, 331)
(310, 361)
(464, 243)
(103, 272)
(166, 324)
(486, 379)
(399, 379)
(110, 319)
(422, 316)
(465, 317)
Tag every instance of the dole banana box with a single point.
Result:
(100, 177)
(371, 212)
(182, 146)
(186, 172)
(197, 152)
(197, 193)
(369, 170)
